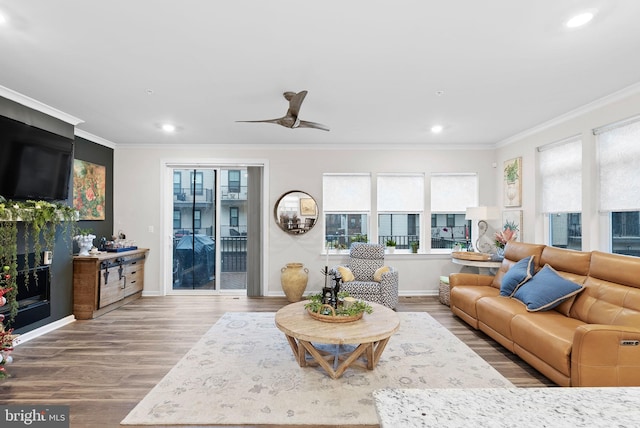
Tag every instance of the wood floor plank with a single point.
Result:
(103, 367)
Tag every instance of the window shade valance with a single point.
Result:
(400, 193)
(346, 192)
(619, 168)
(451, 193)
(560, 166)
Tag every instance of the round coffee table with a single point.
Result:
(306, 335)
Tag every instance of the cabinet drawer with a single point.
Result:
(134, 279)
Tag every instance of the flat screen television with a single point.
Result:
(34, 163)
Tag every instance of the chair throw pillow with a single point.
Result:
(517, 275)
(546, 290)
(377, 276)
(346, 274)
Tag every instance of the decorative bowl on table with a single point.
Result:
(470, 255)
(348, 309)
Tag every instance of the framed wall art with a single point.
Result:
(307, 207)
(89, 188)
(513, 220)
(512, 182)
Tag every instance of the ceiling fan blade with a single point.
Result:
(314, 125)
(259, 121)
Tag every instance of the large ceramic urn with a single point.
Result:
(294, 279)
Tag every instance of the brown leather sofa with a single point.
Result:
(591, 339)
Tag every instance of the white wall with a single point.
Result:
(137, 186)
(137, 202)
(581, 122)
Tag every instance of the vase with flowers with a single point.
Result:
(502, 237)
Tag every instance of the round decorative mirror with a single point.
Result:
(296, 212)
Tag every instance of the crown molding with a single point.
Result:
(587, 108)
(94, 138)
(38, 106)
(296, 146)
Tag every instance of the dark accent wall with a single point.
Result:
(61, 298)
(96, 153)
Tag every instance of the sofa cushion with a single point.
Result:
(517, 275)
(546, 290)
(377, 275)
(494, 317)
(346, 274)
(548, 336)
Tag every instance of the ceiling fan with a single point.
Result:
(291, 119)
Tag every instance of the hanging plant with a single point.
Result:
(40, 219)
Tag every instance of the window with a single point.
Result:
(197, 220)
(400, 201)
(451, 195)
(560, 169)
(618, 160)
(234, 216)
(177, 182)
(177, 219)
(234, 181)
(347, 207)
(197, 183)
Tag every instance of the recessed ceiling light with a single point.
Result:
(580, 20)
(167, 127)
(436, 129)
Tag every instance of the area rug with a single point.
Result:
(242, 372)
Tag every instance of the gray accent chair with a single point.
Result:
(365, 259)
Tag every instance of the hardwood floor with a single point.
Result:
(102, 368)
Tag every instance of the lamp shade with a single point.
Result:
(482, 213)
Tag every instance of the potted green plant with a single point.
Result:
(391, 245)
(359, 238)
(414, 246)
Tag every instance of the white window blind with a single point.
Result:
(346, 192)
(451, 193)
(619, 168)
(400, 193)
(560, 167)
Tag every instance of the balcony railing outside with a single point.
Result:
(188, 195)
(233, 193)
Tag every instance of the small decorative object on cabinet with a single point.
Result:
(106, 281)
(85, 243)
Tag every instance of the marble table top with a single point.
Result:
(509, 407)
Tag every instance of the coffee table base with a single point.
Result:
(371, 352)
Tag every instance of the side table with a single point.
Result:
(484, 267)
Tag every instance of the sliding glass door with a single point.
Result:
(209, 238)
(194, 229)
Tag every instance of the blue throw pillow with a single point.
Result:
(546, 290)
(517, 275)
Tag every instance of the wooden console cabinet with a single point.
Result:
(106, 281)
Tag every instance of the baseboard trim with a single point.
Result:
(41, 331)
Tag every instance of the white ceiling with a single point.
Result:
(372, 67)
